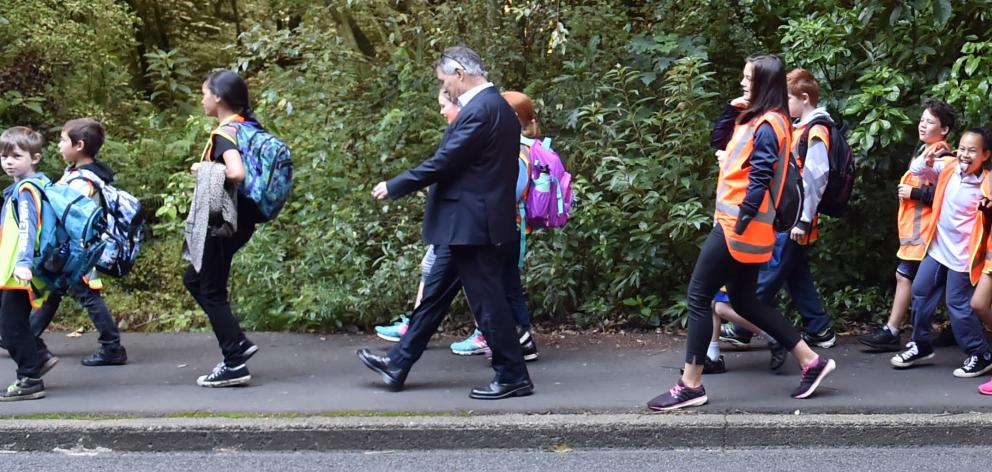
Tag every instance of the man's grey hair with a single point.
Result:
(461, 57)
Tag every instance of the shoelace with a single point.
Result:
(218, 369)
(676, 390)
(912, 351)
(970, 363)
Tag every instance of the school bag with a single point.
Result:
(70, 237)
(125, 226)
(843, 169)
(789, 208)
(268, 168)
(549, 192)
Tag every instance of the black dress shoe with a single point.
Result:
(499, 391)
(392, 375)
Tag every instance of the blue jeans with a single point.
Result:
(789, 266)
(931, 282)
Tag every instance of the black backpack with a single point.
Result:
(790, 203)
(840, 181)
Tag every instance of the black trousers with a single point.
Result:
(96, 307)
(480, 270)
(716, 268)
(23, 346)
(209, 286)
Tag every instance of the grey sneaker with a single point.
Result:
(25, 388)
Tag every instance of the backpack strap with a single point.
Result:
(37, 189)
(228, 130)
(803, 145)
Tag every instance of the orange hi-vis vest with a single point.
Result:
(987, 194)
(823, 134)
(916, 218)
(756, 244)
(979, 235)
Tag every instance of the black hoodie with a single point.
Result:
(103, 171)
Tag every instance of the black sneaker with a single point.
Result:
(224, 376)
(106, 355)
(718, 366)
(912, 355)
(812, 376)
(679, 396)
(825, 339)
(779, 355)
(528, 345)
(882, 340)
(974, 366)
(945, 338)
(24, 389)
(730, 336)
(48, 361)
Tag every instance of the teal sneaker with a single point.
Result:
(394, 331)
(474, 345)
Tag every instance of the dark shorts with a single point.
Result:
(721, 297)
(908, 269)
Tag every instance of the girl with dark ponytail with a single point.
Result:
(753, 136)
(225, 97)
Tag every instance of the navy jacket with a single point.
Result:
(474, 172)
(764, 155)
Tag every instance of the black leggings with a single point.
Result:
(715, 268)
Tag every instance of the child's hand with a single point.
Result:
(929, 158)
(905, 190)
(797, 234)
(720, 156)
(193, 168)
(740, 102)
(22, 274)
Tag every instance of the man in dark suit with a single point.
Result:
(470, 215)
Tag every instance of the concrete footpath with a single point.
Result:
(311, 392)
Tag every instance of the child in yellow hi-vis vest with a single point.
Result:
(20, 225)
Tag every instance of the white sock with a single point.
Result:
(713, 352)
(893, 329)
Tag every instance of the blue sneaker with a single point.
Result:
(473, 345)
(394, 331)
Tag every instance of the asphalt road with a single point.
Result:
(626, 460)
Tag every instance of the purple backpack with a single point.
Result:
(549, 193)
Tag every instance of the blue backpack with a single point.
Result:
(71, 234)
(268, 168)
(125, 226)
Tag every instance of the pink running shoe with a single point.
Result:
(985, 388)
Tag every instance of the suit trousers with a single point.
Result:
(480, 269)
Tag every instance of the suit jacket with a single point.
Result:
(474, 172)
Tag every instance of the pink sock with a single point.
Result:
(812, 363)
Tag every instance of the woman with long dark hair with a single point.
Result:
(225, 97)
(753, 161)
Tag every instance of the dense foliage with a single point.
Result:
(627, 90)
